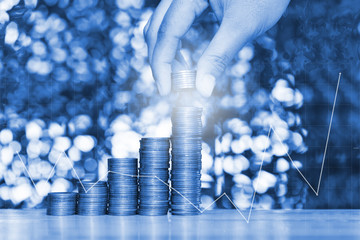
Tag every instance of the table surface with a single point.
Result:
(214, 224)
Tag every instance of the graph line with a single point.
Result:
(328, 134)
(326, 145)
(147, 176)
(247, 219)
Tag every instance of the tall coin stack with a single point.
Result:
(186, 150)
(154, 176)
(93, 199)
(61, 203)
(123, 186)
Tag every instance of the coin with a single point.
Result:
(92, 198)
(186, 160)
(61, 203)
(154, 176)
(123, 186)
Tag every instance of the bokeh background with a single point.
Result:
(76, 88)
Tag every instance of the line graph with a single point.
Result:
(246, 218)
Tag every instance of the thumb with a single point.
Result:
(229, 39)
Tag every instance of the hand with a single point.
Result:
(241, 21)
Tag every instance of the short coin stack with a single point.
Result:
(154, 176)
(183, 80)
(92, 199)
(61, 203)
(123, 186)
(186, 160)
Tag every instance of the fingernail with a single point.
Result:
(205, 85)
(160, 89)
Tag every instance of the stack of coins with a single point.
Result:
(183, 80)
(61, 203)
(154, 176)
(123, 188)
(186, 160)
(93, 199)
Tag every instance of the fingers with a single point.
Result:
(229, 39)
(152, 27)
(241, 21)
(175, 24)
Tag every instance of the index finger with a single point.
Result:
(152, 27)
